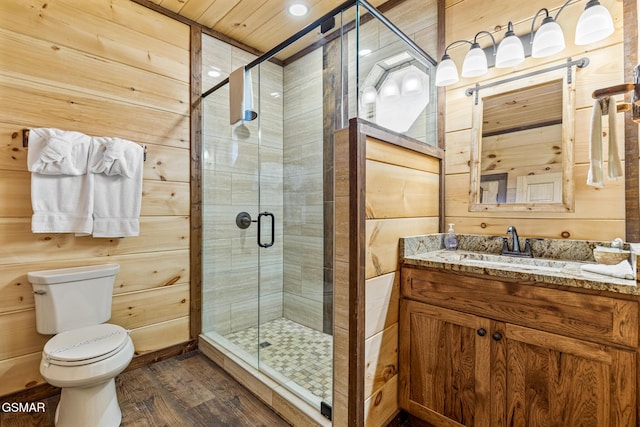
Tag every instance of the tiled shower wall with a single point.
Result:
(303, 191)
(289, 281)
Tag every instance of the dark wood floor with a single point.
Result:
(187, 390)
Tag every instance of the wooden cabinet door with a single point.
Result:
(444, 365)
(543, 379)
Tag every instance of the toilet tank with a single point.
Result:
(70, 298)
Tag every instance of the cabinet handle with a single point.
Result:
(497, 336)
(482, 332)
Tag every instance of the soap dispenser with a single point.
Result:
(451, 240)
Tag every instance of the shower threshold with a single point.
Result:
(297, 357)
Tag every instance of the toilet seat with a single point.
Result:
(85, 345)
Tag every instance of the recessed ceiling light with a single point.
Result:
(214, 72)
(364, 52)
(275, 94)
(298, 9)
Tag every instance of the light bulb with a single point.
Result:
(549, 39)
(446, 72)
(475, 63)
(595, 24)
(510, 51)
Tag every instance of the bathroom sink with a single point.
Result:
(502, 261)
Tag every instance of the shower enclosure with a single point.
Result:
(268, 184)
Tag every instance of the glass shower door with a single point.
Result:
(264, 284)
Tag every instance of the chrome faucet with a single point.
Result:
(515, 246)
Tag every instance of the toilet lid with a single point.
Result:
(85, 343)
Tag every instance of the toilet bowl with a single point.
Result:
(84, 363)
(85, 356)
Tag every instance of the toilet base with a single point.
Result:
(95, 406)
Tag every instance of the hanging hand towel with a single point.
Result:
(61, 189)
(117, 167)
(615, 166)
(595, 176)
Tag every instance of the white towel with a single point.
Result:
(57, 152)
(241, 96)
(117, 167)
(61, 189)
(622, 270)
(595, 177)
(615, 166)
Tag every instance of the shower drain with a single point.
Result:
(264, 344)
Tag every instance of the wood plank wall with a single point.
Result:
(599, 213)
(400, 198)
(109, 68)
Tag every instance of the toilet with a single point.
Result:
(85, 356)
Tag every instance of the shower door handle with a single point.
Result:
(273, 229)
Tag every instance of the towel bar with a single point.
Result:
(624, 88)
(613, 90)
(25, 143)
(25, 138)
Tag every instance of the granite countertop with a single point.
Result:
(558, 262)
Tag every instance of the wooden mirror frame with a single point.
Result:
(568, 125)
(631, 133)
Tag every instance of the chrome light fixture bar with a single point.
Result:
(595, 24)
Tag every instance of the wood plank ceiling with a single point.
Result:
(258, 25)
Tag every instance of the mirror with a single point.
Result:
(396, 92)
(522, 145)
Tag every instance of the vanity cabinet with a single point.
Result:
(482, 352)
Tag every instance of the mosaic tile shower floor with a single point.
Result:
(301, 354)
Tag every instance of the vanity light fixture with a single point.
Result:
(510, 51)
(595, 24)
(298, 9)
(475, 62)
(549, 38)
(474, 65)
(447, 72)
